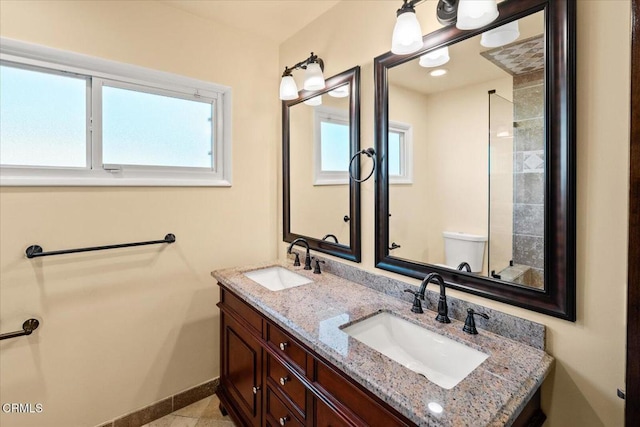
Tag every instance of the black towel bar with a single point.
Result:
(35, 251)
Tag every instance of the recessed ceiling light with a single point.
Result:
(439, 72)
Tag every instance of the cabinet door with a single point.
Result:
(242, 369)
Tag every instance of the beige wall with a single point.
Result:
(409, 228)
(581, 389)
(122, 329)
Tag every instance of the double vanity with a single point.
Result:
(299, 348)
(482, 159)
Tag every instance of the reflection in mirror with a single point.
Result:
(320, 134)
(489, 146)
(516, 183)
(320, 153)
(471, 199)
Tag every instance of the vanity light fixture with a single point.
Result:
(288, 88)
(407, 34)
(501, 36)
(435, 58)
(340, 92)
(466, 14)
(474, 14)
(439, 72)
(313, 78)
(313, 102)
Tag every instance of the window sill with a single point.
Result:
(111, 182)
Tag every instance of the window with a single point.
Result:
(332, 146)
(152, 129)
(400, 153)
(43, 119)
(68, 119)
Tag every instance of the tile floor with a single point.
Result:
(203, 413)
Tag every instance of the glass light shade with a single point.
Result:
(288, 88)
(501, 36)
(407, 34)
(340, 92)
(436, 58)
(313, 78)
(315, 101)
(474, 14)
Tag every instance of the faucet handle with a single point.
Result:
(317, 269)
(417, 305)
(296, 262)
(470, 323)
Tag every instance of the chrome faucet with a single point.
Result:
(443, 310)
(307, 258)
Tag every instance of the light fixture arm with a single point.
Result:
(408, 6)
(447, 11)
(303, 64)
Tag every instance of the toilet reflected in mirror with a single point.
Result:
(461, 248)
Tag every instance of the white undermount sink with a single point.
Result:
(441, 360)
(277, 278)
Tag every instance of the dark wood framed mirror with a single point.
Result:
(320, 134)
(419, 212)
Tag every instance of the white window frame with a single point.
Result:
(406, 153)
(330, 115)
(116, 74)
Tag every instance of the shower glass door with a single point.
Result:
(501, 185)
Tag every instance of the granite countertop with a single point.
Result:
(492, 395)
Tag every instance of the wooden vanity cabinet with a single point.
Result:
(268, 378)
(241, 371)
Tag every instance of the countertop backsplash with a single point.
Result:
(512, 327)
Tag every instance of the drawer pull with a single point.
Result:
(256, 389)
(283, 346)
(283, 380)
(283, 420)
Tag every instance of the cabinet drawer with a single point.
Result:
(227, 299)
(354, 399)
(287, 348)
(278, 413)
(287, 383)
(326, 417)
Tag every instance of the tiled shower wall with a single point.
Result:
(528, 215)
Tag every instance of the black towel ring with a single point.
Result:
(369, 152)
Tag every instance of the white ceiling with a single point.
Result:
(276, 20)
